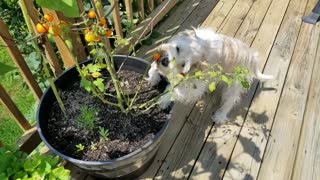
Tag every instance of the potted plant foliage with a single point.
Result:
(102, 114)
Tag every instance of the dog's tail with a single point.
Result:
(257, 73)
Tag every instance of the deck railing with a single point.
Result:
(30, 140)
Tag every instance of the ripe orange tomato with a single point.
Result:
(91, 14)
(156, 56)
(97, 39)
(103, 21)
(48, 17)
(42, 28)
(108, 33)
(54, 30)
(90, 37)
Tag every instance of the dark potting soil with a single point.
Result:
(127, 132)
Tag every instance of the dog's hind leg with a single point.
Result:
(229, 97)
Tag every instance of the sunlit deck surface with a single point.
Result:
(274, 132)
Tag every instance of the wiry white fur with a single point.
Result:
(190, 48)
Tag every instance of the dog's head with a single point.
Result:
(179, 48)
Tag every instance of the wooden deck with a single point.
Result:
(274, 132)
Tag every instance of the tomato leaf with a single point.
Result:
(68, 7)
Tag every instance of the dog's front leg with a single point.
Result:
(228, 99)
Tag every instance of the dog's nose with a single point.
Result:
(164, 61)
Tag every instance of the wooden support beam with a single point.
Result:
(17, 58)
(141, 9)
(116, 19)
(29, 141)
(13, 109)
(49, 51)
(128, 5)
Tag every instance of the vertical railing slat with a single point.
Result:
(13, 109)
(49, 51)
(151, 5)
(141, 9)
(18, 60)
(128, 5)
(116, 18)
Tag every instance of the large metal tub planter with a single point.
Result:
(125, 167)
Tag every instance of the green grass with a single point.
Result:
(14, 84)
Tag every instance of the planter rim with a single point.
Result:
(71, 159)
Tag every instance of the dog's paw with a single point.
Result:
(219, 117)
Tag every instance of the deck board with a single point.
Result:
(281, 148)
(247, 155)
(262, 44)
(307, 163)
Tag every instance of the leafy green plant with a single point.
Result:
(87, 118)
(104, 134)
(93, 146)
(18, 165)
(80, 147)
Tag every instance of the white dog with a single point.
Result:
(193, 48)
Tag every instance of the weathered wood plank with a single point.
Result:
(248, 153)
(18, 60)
(235, 17)
(29, 141)
(147, 25)
(151, 4)
(212, 165)
(116, 19)
(189, 13)
(307, 163)
(13, 109)
(277, 162)
(141, 9)
(218, 15)
(178, 119)
(182, 156)
(49, 51)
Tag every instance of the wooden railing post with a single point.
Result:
(49, 51)
(128, 5)
(151, 4)
(116, 18)
(141, 9)
(17, 58)
(13, 109)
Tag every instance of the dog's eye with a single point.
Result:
(178, 49)
(165, 61)
(183, 64)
